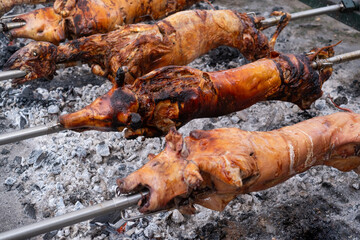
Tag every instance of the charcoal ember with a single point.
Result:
(103, 149)
(56, 170)
(16, 162)
(208, 126)
(53, 109)
(356, 186)
(6, 51)
(9, 182)
(211, 231)
(30, 211)
(27, 93)
(177, 217)
(320, 104)
(277, 8)
(22, 121)
(50, 235)
(5, 151)
(340, 100)
(4, 161)
(19, 170)
(37, 157)
(152, 231)
(223, 54)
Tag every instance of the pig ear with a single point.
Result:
(174, 140)
(120, 77)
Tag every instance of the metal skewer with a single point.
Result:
(336, 59)
(68, 219)
(8, 17)
(304, 14)
(11, 25)
(343, 6)
(56, 127)
(6, 75)
(30, 133)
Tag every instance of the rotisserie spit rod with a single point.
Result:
(5, 75)
(135, 118)
(10, 25)
(47, 225)
(336, 59)
(104, 60)
(342, 7)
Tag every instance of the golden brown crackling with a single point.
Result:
(214, 166)
(140, 48)
(86, 17)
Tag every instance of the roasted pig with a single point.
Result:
(172, 96)
(211, 167)
(141, 48)
(75, 18)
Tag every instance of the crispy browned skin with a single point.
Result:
(75, 18)
(6, 5)
(172, 96)
(141, 48)
(211, 167)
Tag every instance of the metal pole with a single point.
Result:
(304, 14)
(68, 219)
(336, 59)
(12, 74)
(30, 133)
(7, 17)
(5, 75)
(11, 25)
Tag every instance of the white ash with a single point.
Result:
(67, 171)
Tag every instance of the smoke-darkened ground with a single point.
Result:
(51, 175)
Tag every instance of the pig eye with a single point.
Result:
(35, 54)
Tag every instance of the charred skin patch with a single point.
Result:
(39, 59)
(111, 112)
(301, 84)
(253, 44)
(182, 86)
(124, 104)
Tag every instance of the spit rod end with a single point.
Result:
(31, 132)
(6, 75)
(5, 27)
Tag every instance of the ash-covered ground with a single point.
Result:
(51, 175)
